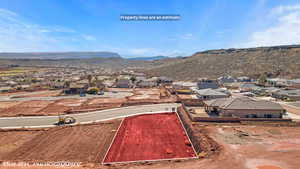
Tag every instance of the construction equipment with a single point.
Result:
(63, 120)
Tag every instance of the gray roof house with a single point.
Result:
(226, 79)
(295, 83)
(244, 79)
(244, 107)
(207, 94)
(207, 83)
(292, 95)
(278, 82)
(123, 83)
(249, 87)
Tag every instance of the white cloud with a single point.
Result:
(281, 9)
(7, 12)
(88, 37)
(286, 29)
(187, 36)
(19, 35)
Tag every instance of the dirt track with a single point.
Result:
(85, 143)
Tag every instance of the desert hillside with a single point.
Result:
(276, 60)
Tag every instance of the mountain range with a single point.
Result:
(59, 55)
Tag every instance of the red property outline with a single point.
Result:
(163, 159)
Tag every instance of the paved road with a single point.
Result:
(48, 121)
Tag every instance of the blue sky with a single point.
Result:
(94, 25)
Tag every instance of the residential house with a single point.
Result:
(57, 85)
(244, 107)
(226, 79)
(295, 83)
(77, 88)
(207, 94)
(205, 83)
(278, 82)
(244, 79)
(5, 89)
(292, 95)
(146, 84)
(164, 80)
(249, 87)
(184, 85)
(123, 83)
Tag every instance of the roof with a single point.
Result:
(295, 92)
(74, 85)
(276, 79)
(249, 86)
(244, 103)
(210, 92)
(5, 88)
(123, 82)
(215, 102)
(295, 80)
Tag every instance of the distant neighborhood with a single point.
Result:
(226, 96)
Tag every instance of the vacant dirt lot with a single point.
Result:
(85, 143)
(119, 90)
(7, 104)
(140, 93)
(12, 140)
(99, 101)
(150, 137)
(244, 147)
(47, 93)
(25, 108)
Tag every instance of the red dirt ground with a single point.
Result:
(50, 93)
(26, 108)
(150, 137)
(83, 143)
(7, 104)
(268, 167)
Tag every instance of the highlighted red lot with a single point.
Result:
(150, 137)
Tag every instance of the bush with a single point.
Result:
(94, 90)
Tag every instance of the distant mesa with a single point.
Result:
(59, 55)
(149, 58)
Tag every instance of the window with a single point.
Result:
(268, 115)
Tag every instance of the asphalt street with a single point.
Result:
(89, 117)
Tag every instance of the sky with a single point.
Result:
(95, 25)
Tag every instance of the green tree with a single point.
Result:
(133, 79)
(93, 90)
(90, 78)
(262, 80)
